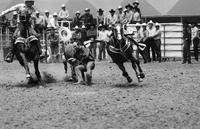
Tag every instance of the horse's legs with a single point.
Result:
(124, 73)
(25, 64)
(37, 72)
(135, 62)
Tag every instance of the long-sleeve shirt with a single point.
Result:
(63, 14)
(128, 17)
(101, 19)
(47, 21)
(157, 35)
(144, 35)
(120, 17)
(54, 23)
(151, 31)
(195, 32)
(103, 35)
(39, 20)
(112, 19)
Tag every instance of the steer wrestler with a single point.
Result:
(87, 64)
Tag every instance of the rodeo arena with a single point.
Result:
(99, 64)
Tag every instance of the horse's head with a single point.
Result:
(117, 31)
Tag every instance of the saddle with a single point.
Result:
(25, 41)
(119, 50)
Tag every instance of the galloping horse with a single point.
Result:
(26, 49)
(121, 51)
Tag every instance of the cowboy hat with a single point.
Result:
(136, 2)
(128, 6)
(137, 24)
(83, 27)
(46, 11)
(112, 11)
(14, 13)
(100, 10)
(119, 7)
(63, 5)
(87, 9)
(78, 12)
(150, 22)
(37, 12)
(55, 14)
(76, 27)
(144, 24)
(157, 24)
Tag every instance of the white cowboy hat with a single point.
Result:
(150, 22)
(63, 5)
(55, 14)
(144, 24)
(14, 13)
(78, 12)
(87, 9)
(157, 24)
(76, 27)
(125, 10)
(137, 24)
(46, 11)
(119, 7)
(37, 12)
(83, 27)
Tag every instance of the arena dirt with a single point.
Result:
(168, 98)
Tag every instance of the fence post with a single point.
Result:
(164, 43)
(1, 41)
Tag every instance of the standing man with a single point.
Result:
(195, 40)
(77, 19)
(135, 5)
(54, 21)
(39, 23)
(120, 15)
(13, 22)
(46, 20)
(63, 14)
(151, 45)
(26, 14)
(186, 44)
(129, 13)
(112, 17)
(157, 42)
(100, 17)
(87, 18)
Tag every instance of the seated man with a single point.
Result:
(86, 64)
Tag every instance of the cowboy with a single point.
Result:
(54, 22)
(63, 14)
(87, 64)
(13, 22)
(76, 36)
(83, 34)
(186, 43)
(135, 5)
(129, 14)
(39, 20)
(120, 15)
(87, 18)
(103, 36)
(100, 17)
(112, 17)
(151, 45)
(136, 15)
(157, 41)
(77, 19)
(26, 15)
(53, 40)
(46, 20)
(195, 40)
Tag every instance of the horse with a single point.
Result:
(121, 51)
(26, 49)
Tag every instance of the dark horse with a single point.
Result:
(121, 51)
(26, 49)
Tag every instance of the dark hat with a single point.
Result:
(112, 11)
(128, 6)
(136, 2)
(100, 10)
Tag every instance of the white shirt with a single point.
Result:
(112, 19)
(151, 31)
(63, 14)
(195, 32)
(53, 23)
(39, 20)
(103, 35)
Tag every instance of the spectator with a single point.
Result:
(195, 40)
(13, 22)
(129, 14)
(77, 19)
(87, 18)
(83, 34)
(136, 16)
(54, 21)
(120, 15)
(135, 5)
(186, 44)
(112, 17)
(100, 17)
(63, 14)
(76, 36)
(157, 41)
(91, 35)
(125, 18)
(103, 36)
(53, 40)
(39, 23)
(151, 45)
(47, 18)
(139, 39)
